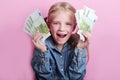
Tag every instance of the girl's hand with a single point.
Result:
(84, 44)
(36, 41)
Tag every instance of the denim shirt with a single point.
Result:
(53, 64)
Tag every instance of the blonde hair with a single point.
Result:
(58, 7)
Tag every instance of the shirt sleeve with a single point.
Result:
(77, 68)
(41, 64)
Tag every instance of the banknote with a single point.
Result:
(85, 19)
(35, 23)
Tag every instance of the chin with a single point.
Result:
(60, 42)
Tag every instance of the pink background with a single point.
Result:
(16, 46)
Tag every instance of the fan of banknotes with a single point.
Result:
(86, 19)
(35, 23)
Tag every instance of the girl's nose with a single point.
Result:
(62, 27)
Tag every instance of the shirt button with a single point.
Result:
(61, 69)
(60, 56)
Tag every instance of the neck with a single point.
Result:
(60, 47)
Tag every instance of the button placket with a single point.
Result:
(61, 62)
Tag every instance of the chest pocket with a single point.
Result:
(53, 65)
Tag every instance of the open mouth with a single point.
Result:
(61, 35)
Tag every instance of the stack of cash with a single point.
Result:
(85, 19)
(35, 23)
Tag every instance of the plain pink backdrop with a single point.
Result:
(16, 46)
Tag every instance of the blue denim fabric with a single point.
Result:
(53, 64)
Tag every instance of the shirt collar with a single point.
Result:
(50, 43)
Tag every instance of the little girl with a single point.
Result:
(63, 55)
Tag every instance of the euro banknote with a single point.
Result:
(85, 19)
(35, 23)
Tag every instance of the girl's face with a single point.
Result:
(61, 26)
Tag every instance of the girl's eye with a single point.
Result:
(69, 24)
(55, 23)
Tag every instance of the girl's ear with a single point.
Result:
(75, 30)
(46, 20)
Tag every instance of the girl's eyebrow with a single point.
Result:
(55, 21)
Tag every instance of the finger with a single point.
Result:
(38, 40)
(34, 42)
(86, 34)
(37, 35)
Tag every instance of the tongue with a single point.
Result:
(61, 36)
